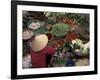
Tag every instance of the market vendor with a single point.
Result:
(38, 52)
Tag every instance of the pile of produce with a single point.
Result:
(67, 32)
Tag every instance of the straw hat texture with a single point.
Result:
(39, 42)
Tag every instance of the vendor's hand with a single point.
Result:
(56, 48)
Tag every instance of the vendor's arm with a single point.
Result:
(50, 50)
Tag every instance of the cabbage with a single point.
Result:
(60, 29)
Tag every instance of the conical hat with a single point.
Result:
(39, 42)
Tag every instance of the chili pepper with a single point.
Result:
(73, 24)
(70, 36)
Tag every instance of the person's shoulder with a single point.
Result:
(49, 47)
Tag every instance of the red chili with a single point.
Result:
(70, 36)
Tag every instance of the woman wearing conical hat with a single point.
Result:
(38, 52)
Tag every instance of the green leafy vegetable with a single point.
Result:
(60, 29)
(40, 31)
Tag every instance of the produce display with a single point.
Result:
(68, 34)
